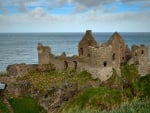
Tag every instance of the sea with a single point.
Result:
(22, 47)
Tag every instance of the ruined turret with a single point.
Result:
(86, 41)
(120, 51)
(43, 54)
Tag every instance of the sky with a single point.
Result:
(74, 15)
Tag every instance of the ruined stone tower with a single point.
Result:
(43, 54)
(120, 51)
(87, 40)
(139, 54)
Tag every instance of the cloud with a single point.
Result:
(37, 12)
(38, 21)
(37, 16)
(79, 6)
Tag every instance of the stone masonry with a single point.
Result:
(98, 59)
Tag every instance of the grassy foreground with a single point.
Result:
(134, 107)
(3, 108)
(26, 105)
(128, 93)
(132, 95)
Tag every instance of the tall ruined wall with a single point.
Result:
(44, 53)
(87, 40)
(100, 62)
(100, 56)
(140, 58)
(120, 51)
(140, 54)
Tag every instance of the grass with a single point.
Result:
(135, 107)
(3, 108)
(26, 105)
(95, 98)
(43, 80)
(107, 100)
(130, 73)
(142, 87)
(102, 99)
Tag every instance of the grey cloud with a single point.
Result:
(79, 5)
(21, 5)
(85, 5)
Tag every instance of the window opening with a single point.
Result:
(105, 64)
(113, 56)
(75, 64)
(65, 65)
(142, 52)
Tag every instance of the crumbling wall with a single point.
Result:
(100, 56)
(44, 53)
(86, 41)
(140, 58)
(120, 51)
(20, 69)
(140, 54)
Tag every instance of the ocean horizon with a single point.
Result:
(22, 47)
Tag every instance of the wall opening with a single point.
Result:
(135, 54)
(113, 56)
(137, 62)
(65, 65)
(105, 64)
(142, 51)
(81, 51)
(75, 64)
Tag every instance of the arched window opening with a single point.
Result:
(135, 54)
(113, 56)
(65, 65)
(142, 51)
(75, 64)
(122, 58)
(105, 64)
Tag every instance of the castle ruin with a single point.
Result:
(97, 59)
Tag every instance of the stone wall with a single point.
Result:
(140, 54)
(86, 41)
(119, 50)
(100, 56)
(96, 59)
(44, 53)
(20, 69)
(140, 58)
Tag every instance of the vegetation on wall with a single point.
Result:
(119, 94)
